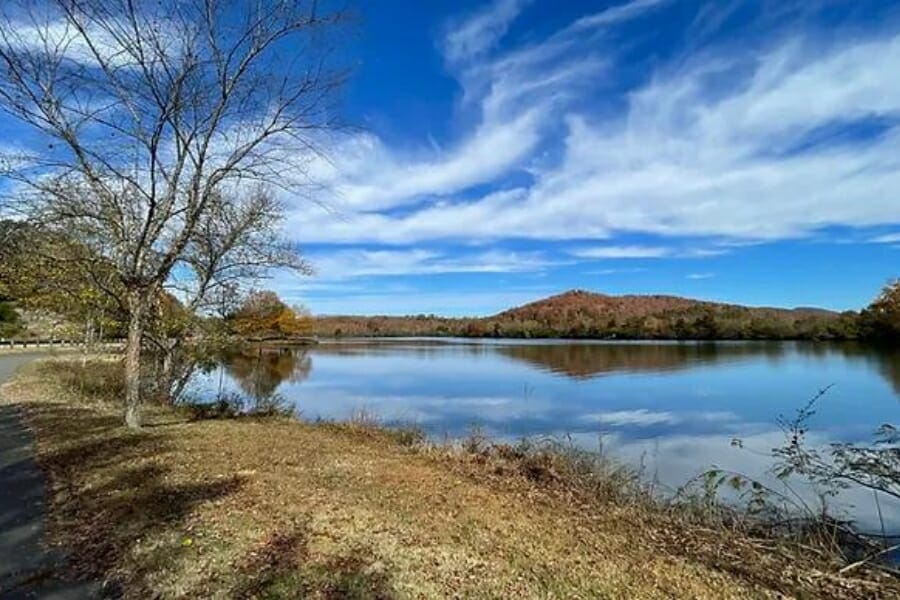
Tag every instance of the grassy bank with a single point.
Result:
(273, 508)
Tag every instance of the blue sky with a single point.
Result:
(738, 151)
(503, 151)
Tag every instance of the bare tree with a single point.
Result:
(154, 117)
(235, 243)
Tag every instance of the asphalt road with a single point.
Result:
(27, 568)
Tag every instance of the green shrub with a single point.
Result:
(10, 322)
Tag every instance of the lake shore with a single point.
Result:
(275, 508)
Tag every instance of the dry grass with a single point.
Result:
(274, 508)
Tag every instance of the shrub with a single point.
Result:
(10, 323)
(100, 380)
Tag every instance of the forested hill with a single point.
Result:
(578, 304)
(582, 314)
(581, 309)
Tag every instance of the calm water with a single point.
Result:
(672, 407)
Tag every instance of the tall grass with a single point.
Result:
(96, 379)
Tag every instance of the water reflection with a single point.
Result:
(885, 360)
(674, 407)
(260, 372)
(592, 360)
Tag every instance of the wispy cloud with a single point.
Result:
(687, 155)
(616, 271)
(370, 177)
(623, 252)
(633, 251)
(561, 139)
(700, 275)
(891, 238)
(458, 303)
(619, 13)
(640, 418)
(56, 35)
(472, 36)
(344, 264)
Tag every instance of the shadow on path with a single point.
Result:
(117, 511)
(27, 568)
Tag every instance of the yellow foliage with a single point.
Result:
(265, 315)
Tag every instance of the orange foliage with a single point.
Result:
(264, 315)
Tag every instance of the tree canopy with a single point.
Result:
(263, 315)
(881, 320)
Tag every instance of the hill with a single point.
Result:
(576, 303)
(580, 303)
(582, 314)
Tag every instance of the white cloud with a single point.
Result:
(639, 417)
(623, 252)
(343, 264)
(700, 275)
(49, 32)
(723, 144)
(611, 252)
(481, 31)
(619, 13)
(512, 97)
(368, 176)
(891, 238)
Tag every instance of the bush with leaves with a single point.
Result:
(9, 320)
(881, 320)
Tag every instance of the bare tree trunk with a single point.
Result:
(137, 307)
(180, 382)
(169, 378)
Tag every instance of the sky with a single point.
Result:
(499, 152)
(503, 151)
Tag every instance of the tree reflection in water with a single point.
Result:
(260, 371)
(591, 360)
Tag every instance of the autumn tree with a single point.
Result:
(50, 272)
(264, 315)
(154, 121)
(881, 320)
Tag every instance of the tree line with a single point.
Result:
(880, 321)
(31, 282)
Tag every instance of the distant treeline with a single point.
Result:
(583, 315)
(706, 326)
(38, 274)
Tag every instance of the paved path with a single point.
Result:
(26, 567)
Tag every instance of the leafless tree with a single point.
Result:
(156, 122)
(235, 243)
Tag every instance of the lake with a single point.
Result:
(673, 408)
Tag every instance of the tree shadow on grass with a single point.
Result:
(283, 567)
(112, 493)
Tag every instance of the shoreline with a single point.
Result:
(528, 523)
